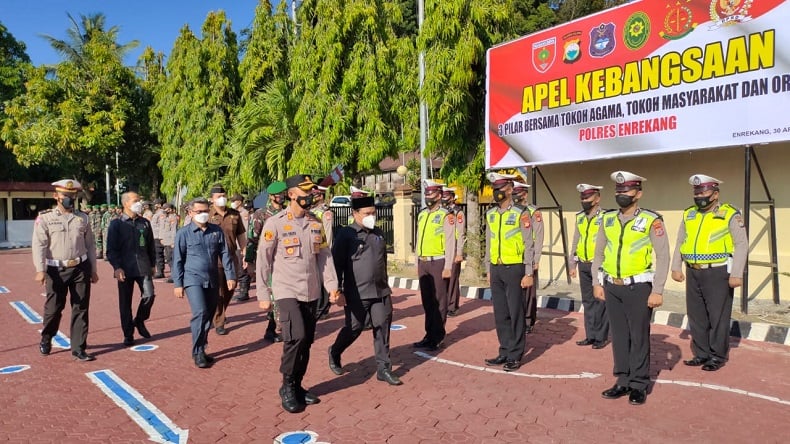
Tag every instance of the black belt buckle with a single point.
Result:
(695, 266)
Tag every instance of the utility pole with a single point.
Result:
(423, 108)
(107, 182)
(117, 182)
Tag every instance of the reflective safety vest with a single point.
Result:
(506, 243)
(629, 251)
(430, 234)
(708, 239)
(588, 230)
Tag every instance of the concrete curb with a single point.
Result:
(753, 331)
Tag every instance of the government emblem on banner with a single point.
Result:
(679, 21)
(602, 41)
(543, 54)
(571, 47)
(729, 12)
(636, 30)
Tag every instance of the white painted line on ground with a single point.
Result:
(158, 426)
(582, 375)
(723, 388)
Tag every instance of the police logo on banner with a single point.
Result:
(679, 21)
(602, 41)
(636, 30)
(571, 47)
(729, 12)
(543, 54)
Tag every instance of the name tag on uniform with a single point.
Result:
(610, 222)
(437, 219)
(640, 225)
(511, 219)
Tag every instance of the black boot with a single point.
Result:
(291, 402)
(244, 292)
(305, 396)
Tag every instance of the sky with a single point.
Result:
(152, 23)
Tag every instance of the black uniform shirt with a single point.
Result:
(360, 257)
(130, 245)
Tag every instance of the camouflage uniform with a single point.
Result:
(94, 219)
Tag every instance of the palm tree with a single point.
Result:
(90, 28)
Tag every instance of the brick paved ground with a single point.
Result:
(440, 401)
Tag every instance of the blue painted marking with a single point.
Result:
(144, 348)
(13, 369)
(61, 340)
(4, 290)
(396, 327)
(298, 437)
(154, 422)
(28, 313)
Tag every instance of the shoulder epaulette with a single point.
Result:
(654, 213)
(44, 211)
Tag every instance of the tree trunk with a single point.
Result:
(474, 236)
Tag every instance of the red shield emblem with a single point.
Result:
(544, 53)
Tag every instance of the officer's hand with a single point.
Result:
(735, 282)
(265, 304)
(179, 292)
(445, 274)
(573, 273)
(120, 275)
(598, 293)
(655, 300)
(677, 276)
(231, 284)
(459, 259)
(340, 299)
(41, 277)
(535, 267)
(94, 278)
(526, 282)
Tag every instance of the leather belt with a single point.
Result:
(706, 266)
(68, 263)
(431, 258)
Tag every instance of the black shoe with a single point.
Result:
(696, 362)
(221, 331)
(617, 391)
(289, 399)
(209, 359)
(308, 397)
(584, 342)
(82, 356)
(142, 330)
(386, 375)
(159, 276)
(713, 365)
(528, 329)
(511, 366)
(499, 360)
(241, 297)
(45, 347)
(424, 343)
(334, 363)
(637, 397)
(201, 361)
(128, 342)
(600, 345)
(452, 313)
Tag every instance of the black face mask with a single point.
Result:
(431, 201)
(587, 205)
(499, 196)
(624, 200)
(67, 202)
(305, 201)
(703, 202)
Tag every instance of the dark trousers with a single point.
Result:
(75, 281)
(709, 306)
(359, 312)
(323, 302)
(160, 257)
(125, 291)
(507, 297)
(629, 317)
(297, 320)
(532, 300)
(203, 303)
(454, 287)
(167, 252)
(223, 301)
(596, 322)
(433, 292)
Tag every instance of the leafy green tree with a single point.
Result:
(191, 113)
(573, 9)
(532, 16)
(266, 49)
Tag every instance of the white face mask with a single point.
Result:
(221, 201)
(200, 218)
(235, 205)
(137, 208)
(369, 222)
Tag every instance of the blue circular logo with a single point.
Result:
(144, 348)
(395, 327)
(13, 369)
(298, 437)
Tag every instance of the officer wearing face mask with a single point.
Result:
(631, 288)
(360, 257)
(132, 254)
(588, 222)
(322, 212)
(454, 285)
(520, 199)
(713, 244)
(237, 203)
(64, 256)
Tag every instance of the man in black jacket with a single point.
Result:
(132, 254)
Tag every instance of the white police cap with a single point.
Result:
(67, 186)
(626, 178)
(586, 187)
(702, 180)
(448, 190)
(431, 185)
(520, 185)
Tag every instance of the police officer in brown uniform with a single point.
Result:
(624, 249)
(713, 244)
(167, 231)
(64, 256)
(435, 255)
(230, 221)
(520, 198)
(294, 251)
(454, 284)
(157, 221)
(585, 233)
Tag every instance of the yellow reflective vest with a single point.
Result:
(629, 251)
(708, 238)
(430, 234)
(507, 243)
(588, 230)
